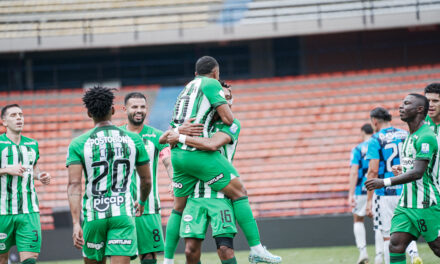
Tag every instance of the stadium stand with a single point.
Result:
(46, 24)
(294, 146)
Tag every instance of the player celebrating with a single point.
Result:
(19, 212)
(108, 156)
(384, 152)
(357, 195)
(206, 205)
(202, 98)
(149, 225)
(418, 211)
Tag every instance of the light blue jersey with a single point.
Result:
(358, 155)
(386, 146)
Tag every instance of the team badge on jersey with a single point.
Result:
(425, 148)
(233, 128)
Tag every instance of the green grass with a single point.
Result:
(325, 255)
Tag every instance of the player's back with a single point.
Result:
(108, 155)
(387, 145)
(198, 100)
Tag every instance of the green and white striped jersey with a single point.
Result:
(199, 99)
(108, 155)
(17, 194)
(425, 192)
(150, 136)
(436, 129)
(202, 190)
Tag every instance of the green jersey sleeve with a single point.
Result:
(141, 155)
(37, 151)
(73, 154)
(214, 92)
(426, 146)
(233, 130)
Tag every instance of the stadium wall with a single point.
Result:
(293, 232)
(258, 58)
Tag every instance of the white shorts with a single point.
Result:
(360, 205)
(383, 211)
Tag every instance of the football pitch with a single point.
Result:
(321, 255)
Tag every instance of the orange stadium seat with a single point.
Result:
(295, 143)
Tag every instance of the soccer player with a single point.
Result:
(357, 195)
(149, 225)
(383, 153)
(107, 155)
(202, 98)
(206, 205)
(19, 212)
(418, 211)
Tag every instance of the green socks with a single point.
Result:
(398, 258)
(29, 261)
(172, 234)
(246, 220)
(230, 261)
(149, 261)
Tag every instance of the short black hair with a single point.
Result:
(205, 65)
(433, 88)
(99, 101)
(134, 95)
(424, 102)
(381, 113)
(6, 107)
(367, 129)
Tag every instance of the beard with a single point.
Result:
(135, 122)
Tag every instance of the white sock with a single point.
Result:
(359, 236)
(258, 249)
(378, 241)
(168, 261)
(386, 251)
(412, 249)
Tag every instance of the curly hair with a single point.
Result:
(99, 101)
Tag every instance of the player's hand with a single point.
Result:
(78, 240)
(397, 170)
(369, 209)
(139, 208)
(45, 178)
(173, 138)
(190, 129)
(16, 170)
(373, 184)
(351, 201)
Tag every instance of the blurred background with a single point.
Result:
(304, 73)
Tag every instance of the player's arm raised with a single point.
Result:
(74, 196)
(409, 176)
(207, 144)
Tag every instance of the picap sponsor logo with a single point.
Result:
(105, 140)
(149, 135)
(120, 242)
(3, 235)
(30, 143)
(216, 179)
(96, 246)
(101, 204)
(187, 218)
(177, 185)
(5, 142)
